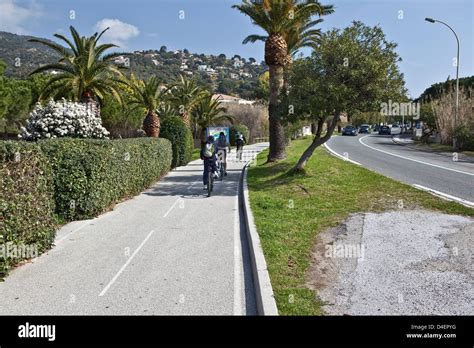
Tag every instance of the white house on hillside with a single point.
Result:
(238, 64)
(223, 98)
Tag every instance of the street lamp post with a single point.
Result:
(431, 20)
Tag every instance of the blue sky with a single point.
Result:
(213, 27)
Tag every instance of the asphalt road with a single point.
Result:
(169, 250)
(431, 170)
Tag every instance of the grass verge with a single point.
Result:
(291, 209)
(444, 148)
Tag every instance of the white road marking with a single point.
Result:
(171, 208)
(445, 195)
(420, 187)
(238, 261)
(340, 156)
(126, 264)
(414, 160)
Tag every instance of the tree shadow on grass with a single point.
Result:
(263, 176)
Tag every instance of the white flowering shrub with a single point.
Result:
(63, 119)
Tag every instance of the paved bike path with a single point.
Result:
(169, 250)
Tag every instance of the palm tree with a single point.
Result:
(148, 97)
(185, 95)
(301, 35)
(208, 112)
(85, 73)
(285, 22)
(167, 110)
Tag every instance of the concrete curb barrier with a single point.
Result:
(264, 296)
(397, 140)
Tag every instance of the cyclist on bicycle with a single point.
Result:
(221, 145)
(208, 155)
(240, 142)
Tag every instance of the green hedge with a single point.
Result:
(64, 179)
(465, 137)
(91, 175)
(26, 202)
(174, 129)
(241, 129)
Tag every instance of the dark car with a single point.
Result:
(349, 130)
(384, 130)
(364, 128)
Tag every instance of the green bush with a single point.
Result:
(91, 175)
(465, 137)
(174, 129)
(291, 131)
(241, 128)
(26, 202)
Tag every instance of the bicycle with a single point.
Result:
(210, 180)
(220, 164)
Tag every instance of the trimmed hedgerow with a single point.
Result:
(91, 175)
(27, 224)
(76, 178)
(175, 130)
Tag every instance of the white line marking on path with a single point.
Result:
(238, 262)
(340, 156)
(171, 208)
(126, 264)
(178, 199)
(411, 159)
(445, 195)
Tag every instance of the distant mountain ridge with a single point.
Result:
(23, 56)
(235, 76)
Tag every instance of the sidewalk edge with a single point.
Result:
(264, 296)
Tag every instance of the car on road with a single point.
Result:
(364, 128)
(349, 130)
(396, 129)
(384, 130)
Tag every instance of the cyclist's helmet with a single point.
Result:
(210, 139)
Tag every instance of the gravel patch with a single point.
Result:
(396, 263)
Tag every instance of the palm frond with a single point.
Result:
(58, 48)
(254, 38)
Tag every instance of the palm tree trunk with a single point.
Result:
(277, 133)
(317, 141)
(187, 120)
(151, 125)
(88, 100)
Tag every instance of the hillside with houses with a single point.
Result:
(228, 75)
(234, 75)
